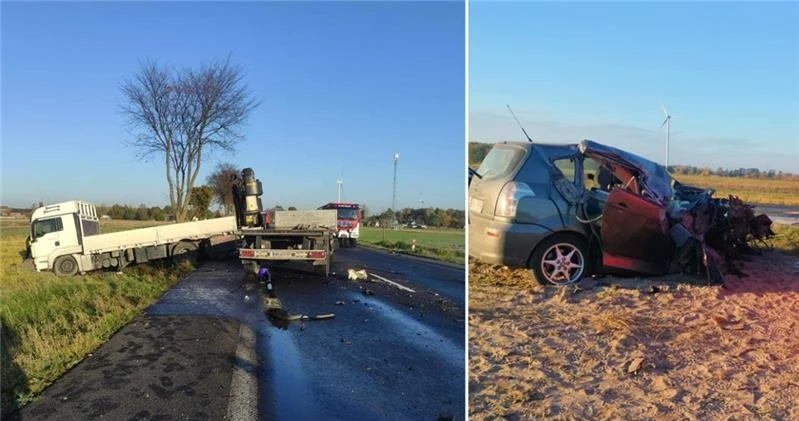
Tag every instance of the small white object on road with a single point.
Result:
(388, 281)
(355, 275)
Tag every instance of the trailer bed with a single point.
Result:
(158, 235)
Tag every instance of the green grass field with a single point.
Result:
(50, 324)
(441, 244)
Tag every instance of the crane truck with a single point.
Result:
(65, 237)
(299, 235)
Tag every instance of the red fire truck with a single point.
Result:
(348, 223)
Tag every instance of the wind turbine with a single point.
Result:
(667, 123)
(340, 183)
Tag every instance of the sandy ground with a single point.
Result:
(668, 348)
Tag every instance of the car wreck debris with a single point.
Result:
(565, 211)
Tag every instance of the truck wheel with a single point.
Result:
(354, 242)
(184, 251)
(65, 266)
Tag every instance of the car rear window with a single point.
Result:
(499, 162)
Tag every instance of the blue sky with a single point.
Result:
(343, 86)
(728, 71)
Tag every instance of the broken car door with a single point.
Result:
(634, 234)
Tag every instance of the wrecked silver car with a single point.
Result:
(565, 211)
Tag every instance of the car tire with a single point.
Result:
(561, 259)
(65, 266)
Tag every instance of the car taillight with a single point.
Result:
(316, 255)
(246, 253)
(509, 197)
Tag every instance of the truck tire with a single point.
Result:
(354, 242)
(65, 266)
(185, 251)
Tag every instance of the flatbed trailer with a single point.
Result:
(65, 238)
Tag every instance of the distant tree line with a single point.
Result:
(739, 172)
(478, 152)
(199, 204)
(431, 217)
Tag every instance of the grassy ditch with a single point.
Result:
(49, 324)
(446, 244)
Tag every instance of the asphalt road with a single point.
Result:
(387, 354)
(788, 215)
(392, 355)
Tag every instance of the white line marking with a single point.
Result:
(400, 286)
(242, 405)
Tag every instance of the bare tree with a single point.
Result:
(184, 115)
(221, 181)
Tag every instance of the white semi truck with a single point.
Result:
(65, 238)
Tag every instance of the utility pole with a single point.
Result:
(394, 195)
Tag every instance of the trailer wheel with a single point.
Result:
(185, 251)
(65, 266)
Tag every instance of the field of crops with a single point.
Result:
(49, 323)
(753, 190)
(441, 244)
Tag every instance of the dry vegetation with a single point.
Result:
(669, 348)
(751, 190)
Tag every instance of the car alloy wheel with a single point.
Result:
(562, 263)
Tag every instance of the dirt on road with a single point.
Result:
(666, 348)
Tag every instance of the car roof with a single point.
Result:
(550, 150)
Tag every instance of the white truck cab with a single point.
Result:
(59, 229)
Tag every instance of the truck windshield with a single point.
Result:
(347, 213)
(45, 226)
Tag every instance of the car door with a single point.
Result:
(635, 234)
